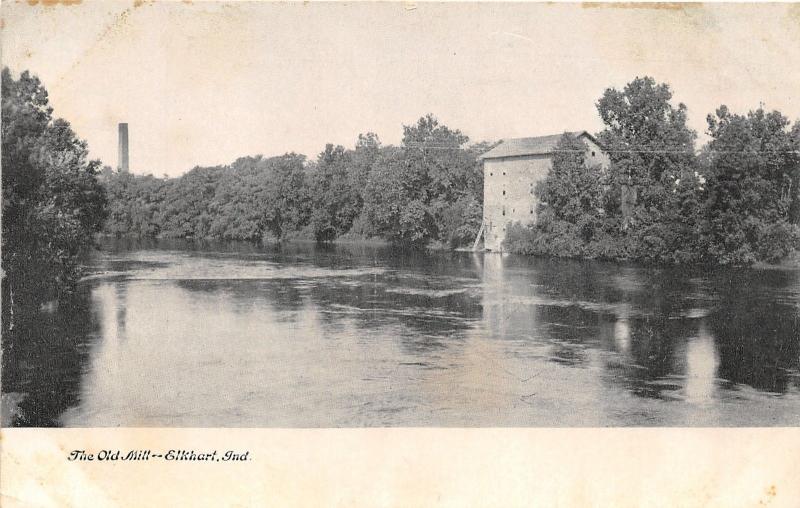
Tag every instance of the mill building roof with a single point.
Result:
(540, 145)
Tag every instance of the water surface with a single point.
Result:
(176, 334)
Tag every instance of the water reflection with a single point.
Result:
(44, 360)
(172, 334)
(702, 361)
(622, 333)
(756, 327)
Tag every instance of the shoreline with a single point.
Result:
(791, 262)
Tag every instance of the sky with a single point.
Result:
(203, 83)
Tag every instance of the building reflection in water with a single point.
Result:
(105, 373)
(495, 299)
(702, 360)
(358, 339)
(622, 331)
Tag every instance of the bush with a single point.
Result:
(778, 241)
(460, 222)
(520, 239)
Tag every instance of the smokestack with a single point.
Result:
(122, 164)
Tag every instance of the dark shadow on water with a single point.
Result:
(758, 334)
(646, 318)
(44, 358)
(638, 330)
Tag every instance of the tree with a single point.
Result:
(794, 210)
(335, 201)
(255, 198)
(417, 193)
(368, 149)
(249, 199)
(647, 138)
(395, 200)
(185, 212)
(753, 170)
(239, 204)
(134, 204)
(571, 190)
(653, 181)
(52, 201)
(286, 196)
(570, 214)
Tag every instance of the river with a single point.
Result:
(235, 335)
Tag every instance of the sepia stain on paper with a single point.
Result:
(793, 13)
(317, 467)
(51, 3)
(667, 6)
(770, 496)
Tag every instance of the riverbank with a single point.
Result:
(792, 262)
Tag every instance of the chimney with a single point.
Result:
(122, 163)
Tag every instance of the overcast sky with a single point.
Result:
(204, 83)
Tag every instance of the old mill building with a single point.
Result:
(511, 171)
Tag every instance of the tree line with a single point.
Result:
(734, 202)
(428, 190)
(53, 204)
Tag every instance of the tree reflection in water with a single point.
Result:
(232, 335)
(44, 359)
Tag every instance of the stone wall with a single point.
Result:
(508, 186)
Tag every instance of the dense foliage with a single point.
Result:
(571, 219)
(52, 201)
(735, 203)
(753, 192)
(250, 199)
(429, 189)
